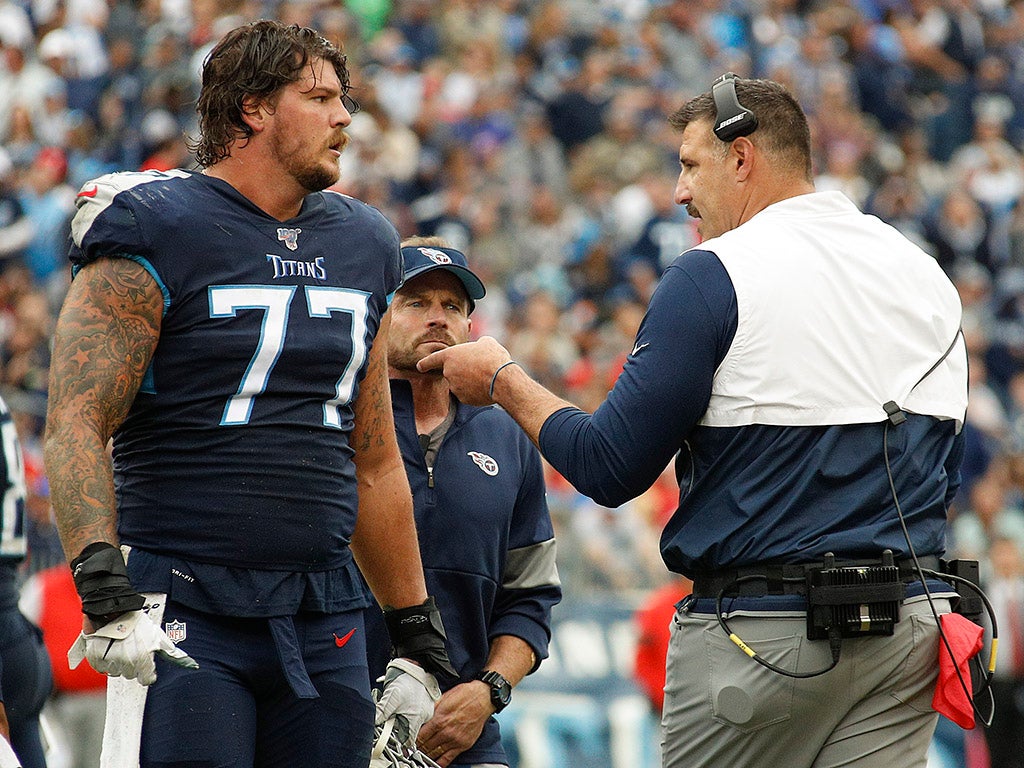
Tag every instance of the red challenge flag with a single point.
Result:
(950, 698)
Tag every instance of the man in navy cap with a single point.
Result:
(485, 534)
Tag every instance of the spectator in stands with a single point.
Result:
(541, 343)
(50, 204)
(959, 231)
(22, 76)
(1005, 589)
(15, 227)
(989, 516)
(578, 112)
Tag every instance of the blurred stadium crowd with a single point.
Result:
(532, 135)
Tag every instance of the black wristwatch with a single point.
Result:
(501, 690)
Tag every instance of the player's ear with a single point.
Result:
(254, 112)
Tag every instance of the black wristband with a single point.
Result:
(102, 582)
(417, 633)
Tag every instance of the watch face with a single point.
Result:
(504, 693)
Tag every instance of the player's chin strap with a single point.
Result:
(389, 752)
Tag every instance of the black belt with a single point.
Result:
(785, 578)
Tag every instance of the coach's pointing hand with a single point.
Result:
(470, 368)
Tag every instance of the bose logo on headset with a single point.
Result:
(732, 119)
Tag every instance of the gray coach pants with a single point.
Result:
(724, 710)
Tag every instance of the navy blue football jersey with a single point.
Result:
(12, 511)
(236, 449)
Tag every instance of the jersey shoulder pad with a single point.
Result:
(353, 205)
(105, 222)
(378, 228)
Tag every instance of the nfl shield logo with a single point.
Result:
(290, 237)
(175, 631)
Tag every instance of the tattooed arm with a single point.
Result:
(104, 340)
(384, 542)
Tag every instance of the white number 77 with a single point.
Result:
(275, 301)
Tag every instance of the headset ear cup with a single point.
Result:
(732, 119)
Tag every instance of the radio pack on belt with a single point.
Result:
(971, 604)
(849, 599)
(855, 600)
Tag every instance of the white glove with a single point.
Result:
(409, 695)
(125, 648)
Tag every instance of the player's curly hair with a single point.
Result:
(781, 124)
(253, 61)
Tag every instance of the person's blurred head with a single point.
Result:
(988, 497)
(1006, 558)
(15, 41)
(48, 169)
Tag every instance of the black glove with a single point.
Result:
(102, 582)
(417, 633)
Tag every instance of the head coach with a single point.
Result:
(803, 366)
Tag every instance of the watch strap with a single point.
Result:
(501, 689)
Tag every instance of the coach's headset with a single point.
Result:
(733, 120)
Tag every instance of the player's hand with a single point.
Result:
(458, 721)
(409, 695)
(125, 647)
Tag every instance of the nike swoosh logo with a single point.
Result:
(340, 641)
(638, 347)
(91, 192)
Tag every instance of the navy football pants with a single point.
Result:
(240, 708)
(25, 682)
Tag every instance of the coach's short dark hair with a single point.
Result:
(782, 129)
(253, 61)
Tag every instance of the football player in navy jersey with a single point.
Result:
(486, 538)
(804, 367)
(227, 329)
(25, 677)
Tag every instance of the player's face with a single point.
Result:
(307, 131)
(428, 313)
(704, 185)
